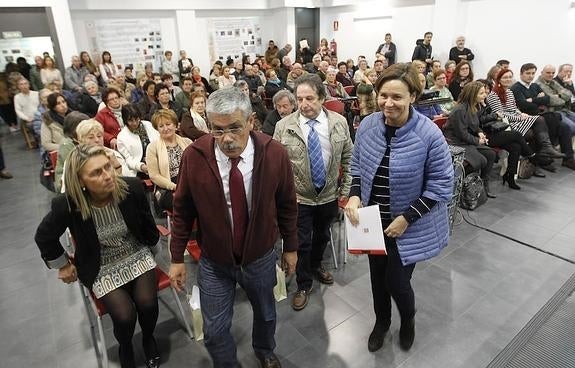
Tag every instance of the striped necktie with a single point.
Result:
(315, 158)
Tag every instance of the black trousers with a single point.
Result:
(313, 224)
(514, 143)
(2, 164)
(391, 279)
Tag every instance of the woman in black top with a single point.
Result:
(113, 228)
(461, 76)
(462, 129)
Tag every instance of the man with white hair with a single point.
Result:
(74, 75)
(460, 52)
(323, 67)
(313, 67)
(560, 98)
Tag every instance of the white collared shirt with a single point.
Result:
(246, 166)
(525, 84)
(322, 129)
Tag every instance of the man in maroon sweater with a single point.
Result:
(238, 185)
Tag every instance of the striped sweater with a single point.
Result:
(510, 111)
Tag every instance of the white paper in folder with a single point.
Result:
(367, 236)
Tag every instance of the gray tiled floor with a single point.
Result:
(471, 300)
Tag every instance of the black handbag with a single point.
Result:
(496, 126)
(47, 173)
(472, 192)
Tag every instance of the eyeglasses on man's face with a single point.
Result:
(218, 133)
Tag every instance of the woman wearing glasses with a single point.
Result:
(110, 221)
(163, 156)
(111, 117)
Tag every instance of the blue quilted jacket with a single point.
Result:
(420, 164)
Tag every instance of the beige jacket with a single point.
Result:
(51, 133)
(158, 164)
(289, 133)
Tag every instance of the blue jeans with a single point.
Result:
(217, 285)
(569, 119)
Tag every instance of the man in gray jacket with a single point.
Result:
(74, 75)
(560, 97)
(319, 147)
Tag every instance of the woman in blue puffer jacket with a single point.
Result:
(401, 163)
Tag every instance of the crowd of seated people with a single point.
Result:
(537, 108)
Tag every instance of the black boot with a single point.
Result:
(510, 179)
(486, 187)
(546, 146)
(375, 341)
(407, 334)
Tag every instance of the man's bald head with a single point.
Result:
(548, 72)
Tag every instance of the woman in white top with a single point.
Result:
(359, 74)
(226, 79)
(107, 68)
(133, 140)
(49, 73)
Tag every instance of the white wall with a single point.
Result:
(550, 38)
(491, 26)
(493, 29)
(362, 37)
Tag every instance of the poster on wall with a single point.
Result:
(26, 47)
(234, 37)
(129, 41)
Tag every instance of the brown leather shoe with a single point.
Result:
(570, 163)
(300, 299)
(5, 175)
(323, 276)
(270, 362)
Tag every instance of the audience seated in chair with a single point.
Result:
(164, 155)
(284, 104)
(195, 121)
(52, 131)
(133, 140)
(463, 129)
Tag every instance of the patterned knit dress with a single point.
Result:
(122, 258)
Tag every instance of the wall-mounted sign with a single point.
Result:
(12, 34)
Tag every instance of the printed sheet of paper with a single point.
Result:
(368, 234)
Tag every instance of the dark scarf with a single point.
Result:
(57, 117)
(140, 131)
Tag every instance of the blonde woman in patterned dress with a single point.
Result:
(113, 229)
